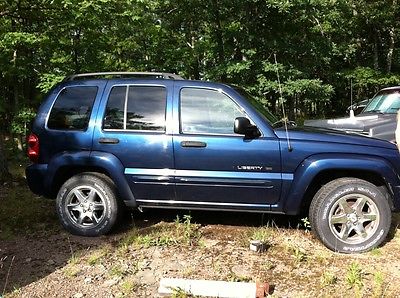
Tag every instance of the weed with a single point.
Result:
(268, 265)
(179, 293)
(354, 276)
(189, 271)
(74, 259)
(262, 234)
(118, 271)
(376, 252)
(299, 255)
(163, 234)
(378, 290)
(72, 271)
(128, 287)
(97, 256)
(306, 223)
(189, 230)
(232, 276)
(328, 278)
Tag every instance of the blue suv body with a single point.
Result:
(156, 140)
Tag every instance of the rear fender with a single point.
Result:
(107, 162)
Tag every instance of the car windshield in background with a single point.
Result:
(261, 109)
(384, 102)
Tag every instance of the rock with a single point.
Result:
(110, 282)
(78, 295)
(88, 280)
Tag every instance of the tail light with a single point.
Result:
(33, 147)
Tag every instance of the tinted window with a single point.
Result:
(145, 108)
(114, 117)
(72, 108)
(207, 111)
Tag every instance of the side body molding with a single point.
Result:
(105, 161)
(313, 165)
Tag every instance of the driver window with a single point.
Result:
(207, 111)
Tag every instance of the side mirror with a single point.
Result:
(243, 126)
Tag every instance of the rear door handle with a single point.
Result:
(193, 144)
(108, 141)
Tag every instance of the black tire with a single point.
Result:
(87, 204)
(350, 215)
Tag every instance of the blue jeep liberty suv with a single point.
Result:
(104, 141)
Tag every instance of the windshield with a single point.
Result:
(263, 111)
(384, 102)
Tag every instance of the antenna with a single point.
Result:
(351, 99)
(285, 120)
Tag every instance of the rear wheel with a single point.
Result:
(87, 204)
(350, 215)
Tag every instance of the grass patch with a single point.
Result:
(182, 231)
(128, 288)
(328, 279)
(378, 288)
(97, 256)
(354, 276)
(23, 213)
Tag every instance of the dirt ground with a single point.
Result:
(48, 262)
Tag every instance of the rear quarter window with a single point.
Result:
(72, 108)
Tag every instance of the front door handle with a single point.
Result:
(108, 141)
(193, 144)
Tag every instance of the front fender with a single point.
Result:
(95, 159)
(313, 165)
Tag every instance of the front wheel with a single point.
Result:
(350, 215)
(87, 204)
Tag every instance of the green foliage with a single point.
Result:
(328, 279)
(354, 276)
(48, 81)
(182, 232)
(320, 47)
(19, 125)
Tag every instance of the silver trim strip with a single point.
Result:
(173, 202)
(208, 174)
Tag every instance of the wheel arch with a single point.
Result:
(67, 165)
(318, 170)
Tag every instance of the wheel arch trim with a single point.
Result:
(107, 162)
(308, 170)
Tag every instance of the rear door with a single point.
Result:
(134, 129)
(214, 166)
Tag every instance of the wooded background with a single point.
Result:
(321, 46)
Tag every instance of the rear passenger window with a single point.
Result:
(139, 108)
(72, 108)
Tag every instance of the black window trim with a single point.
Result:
(211, 134)
(55, 100)
(125, 110)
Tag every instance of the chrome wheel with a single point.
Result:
(354, 218)
(85, 206)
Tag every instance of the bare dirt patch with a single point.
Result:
(39, 259)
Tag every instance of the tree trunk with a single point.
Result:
(376, 53)
(4, 173)
(389, 57)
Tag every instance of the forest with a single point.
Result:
(327, 51)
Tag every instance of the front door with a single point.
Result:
(216, 167)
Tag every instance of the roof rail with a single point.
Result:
(154, 75)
